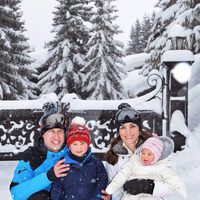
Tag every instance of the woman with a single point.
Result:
(131, 136)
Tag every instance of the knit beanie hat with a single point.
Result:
(77, 131)
(127, 114)
(51, 118)
(155, 145)
(55, 120)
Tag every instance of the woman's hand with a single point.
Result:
(60, 168)
(105, 195)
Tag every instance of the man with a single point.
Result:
(42, 163)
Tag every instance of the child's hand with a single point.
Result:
(105, 195)
(60, 168)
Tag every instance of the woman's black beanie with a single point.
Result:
(127, 114)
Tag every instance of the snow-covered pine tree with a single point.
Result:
(139, 36)
(183, 12)
(66, 52)
(147, 24)
(135, 45)
(15, 71)
(104, 68)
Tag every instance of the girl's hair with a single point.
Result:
(112, 158)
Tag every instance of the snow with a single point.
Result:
(176, 30)
(28, 104)
(177, 56)
(135, 61)
(6, 173)
(39, 57)
(186, 162)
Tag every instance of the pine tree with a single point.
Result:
(139, 36)
(183, 12)
(147, 24)
(103, 70)
(15, 71)
(135, 45)
(66, 52)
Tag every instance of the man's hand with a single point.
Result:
(105, 195)
(60, 168)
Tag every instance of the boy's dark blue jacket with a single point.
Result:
(30, 175)
(84, 180)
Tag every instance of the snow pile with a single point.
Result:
(187, 164)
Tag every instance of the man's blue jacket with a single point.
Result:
(30, 175)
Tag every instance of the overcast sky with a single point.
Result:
(37, 15)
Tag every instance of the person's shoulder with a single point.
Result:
(29, 153)
(96, 160)
(34, 155)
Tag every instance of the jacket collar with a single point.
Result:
(60, 153)
(69, 160)
(120, 149)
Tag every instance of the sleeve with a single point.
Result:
(102, 180)
(121, 177)
(25, 183)
(172, 183)
(57, 190)
(112, 171)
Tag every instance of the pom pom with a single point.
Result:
(78, 120)
(123, 106)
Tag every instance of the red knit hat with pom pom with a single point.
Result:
(77, 132)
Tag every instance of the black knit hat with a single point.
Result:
(55, 120)
(127, 114)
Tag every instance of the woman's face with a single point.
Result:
(129, 133)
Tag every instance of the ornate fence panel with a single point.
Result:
(19, 129)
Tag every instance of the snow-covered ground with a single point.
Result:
(6, 173)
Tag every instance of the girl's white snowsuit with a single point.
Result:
(161, 172)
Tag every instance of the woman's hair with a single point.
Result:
(112, 158)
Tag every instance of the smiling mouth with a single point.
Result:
(55, 142)
(129, 137)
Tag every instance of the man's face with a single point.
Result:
(54, 139)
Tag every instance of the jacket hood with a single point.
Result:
(120, 149)
(168, 147)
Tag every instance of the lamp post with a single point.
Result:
(175, 92)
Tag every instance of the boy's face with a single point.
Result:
(146, 157)
(79, 148)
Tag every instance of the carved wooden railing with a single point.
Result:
(19, 127)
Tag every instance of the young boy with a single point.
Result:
(87, 175)
(151, 164)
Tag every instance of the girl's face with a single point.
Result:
(129, 133)
(146, 157)
(79, 148)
